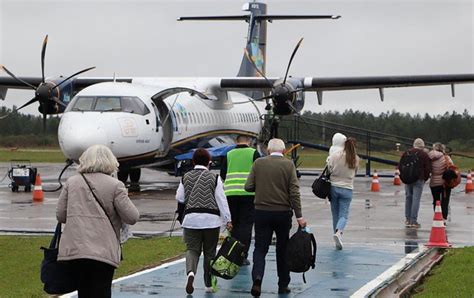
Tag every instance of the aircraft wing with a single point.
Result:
(349, 83)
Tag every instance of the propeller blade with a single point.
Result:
(71, 76)
(34, 99)
(265, 97)
(256, 68)
(44, 122)
(43, 53)
(291, 59)
(56, 100)
(26, 104)
(18, 79)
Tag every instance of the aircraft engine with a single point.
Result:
(286, 97)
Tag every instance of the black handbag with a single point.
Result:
(58, 277)
(322, 185)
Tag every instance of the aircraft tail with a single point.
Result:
(256, 44)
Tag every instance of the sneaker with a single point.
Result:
(209, 290)
(246, 262)
(214, 284)
(256, 288)
(337, 241)
(407, 223)
(415, 225)
(189, 283)
(284, 290)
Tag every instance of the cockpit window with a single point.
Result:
(83, 103)
(125, 104)
(105, 104)
(134, 105)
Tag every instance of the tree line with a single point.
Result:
(453, 129)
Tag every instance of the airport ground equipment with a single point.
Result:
(21, 174)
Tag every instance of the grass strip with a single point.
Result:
(453, 277)
(21, 258)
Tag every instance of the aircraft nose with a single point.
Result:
(76, 135)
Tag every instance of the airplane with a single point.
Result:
(147, 121)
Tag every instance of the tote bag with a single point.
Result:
(322, 185)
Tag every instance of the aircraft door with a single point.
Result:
(165, 124)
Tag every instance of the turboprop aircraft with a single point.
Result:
(146, 121)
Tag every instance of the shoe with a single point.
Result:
(189, 283)
(415, 225)
(284, 290)
(337, 241)
(209, 290)
(256, 288)
(214, 284)
(407, 223)
(246, 262)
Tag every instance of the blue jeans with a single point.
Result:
(412, 200)
(340, 202)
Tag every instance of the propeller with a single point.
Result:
(283, 92)
(46, 93)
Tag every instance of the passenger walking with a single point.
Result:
(93, 205)
(343, 166)
(277, 195)
(205, 211)
(439, 163)
(235, 170)
(415, 168)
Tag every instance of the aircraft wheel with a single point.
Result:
(134, 180)
(122, 175)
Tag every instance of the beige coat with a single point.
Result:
(88, 233)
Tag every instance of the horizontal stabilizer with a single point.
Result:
(215, 18)
(266, 17)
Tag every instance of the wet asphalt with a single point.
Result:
(375, 237)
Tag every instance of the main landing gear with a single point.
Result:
(134, 175)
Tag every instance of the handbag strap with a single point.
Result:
(100, 204)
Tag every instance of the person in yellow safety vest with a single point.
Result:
(234, 171)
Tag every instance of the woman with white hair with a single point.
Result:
(439, 164)
(93, 205)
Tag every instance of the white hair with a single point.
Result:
(98, 158)
(276, 145)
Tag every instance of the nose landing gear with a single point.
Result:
(134, 174)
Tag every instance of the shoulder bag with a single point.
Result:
(58, 277)
(322, 185)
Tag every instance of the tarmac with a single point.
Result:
(375, 238)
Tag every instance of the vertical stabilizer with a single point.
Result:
(256, 41)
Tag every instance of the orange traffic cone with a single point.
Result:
(38, 194)
(438, 231)
(396, 179)
(469, 184)
(375, 182)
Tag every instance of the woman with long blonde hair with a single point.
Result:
(343, 167)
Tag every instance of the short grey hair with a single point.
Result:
(439, 147)
(98, 159)
(276, 145)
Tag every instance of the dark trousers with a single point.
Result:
(242, 210)
(267, 222)
(95, 278)
(441, 194)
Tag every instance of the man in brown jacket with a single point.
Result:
(273, 179)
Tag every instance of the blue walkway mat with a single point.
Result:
(337, 274)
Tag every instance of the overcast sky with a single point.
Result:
(143, 38)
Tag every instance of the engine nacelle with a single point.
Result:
(287, 99)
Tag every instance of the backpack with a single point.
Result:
(410, 167)
(229, 258)
(301, 252)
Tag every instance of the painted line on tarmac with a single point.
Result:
(387, 274)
